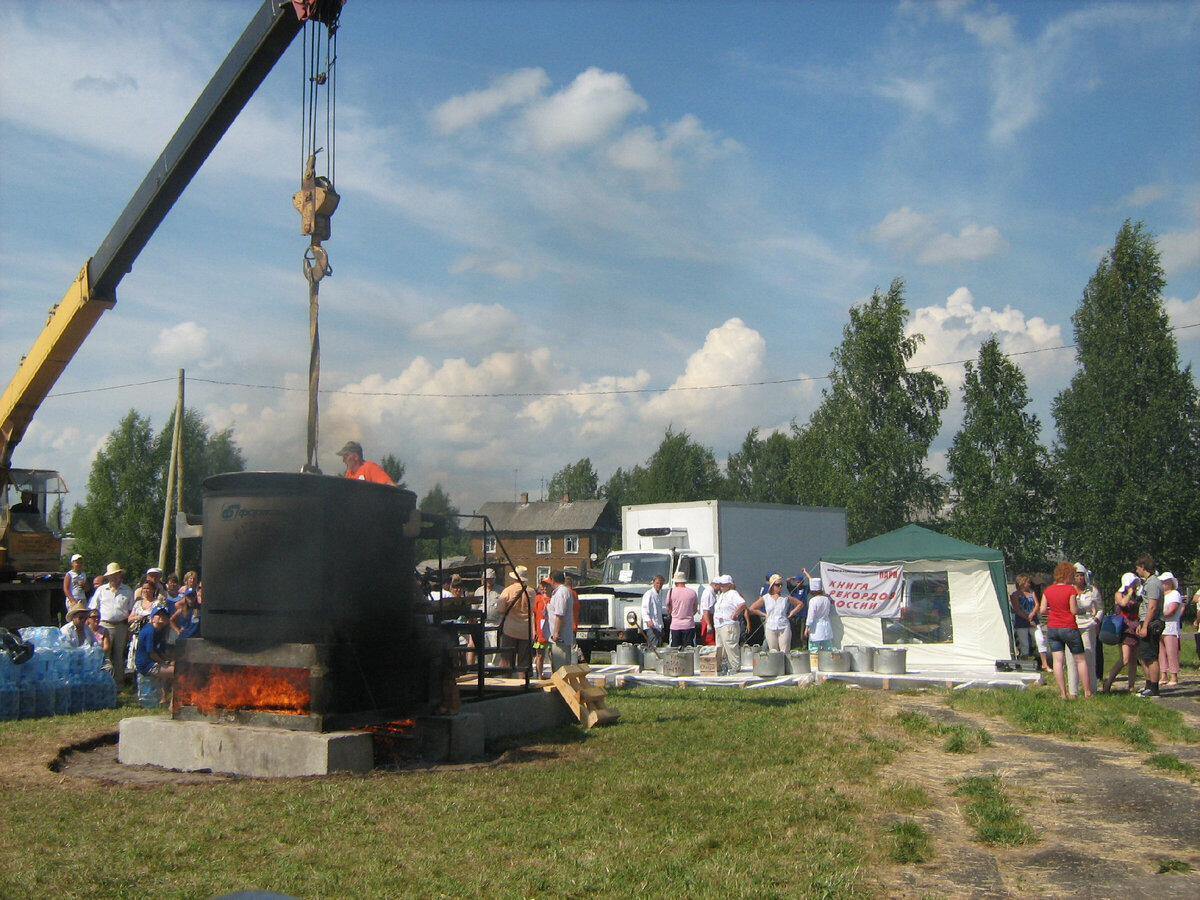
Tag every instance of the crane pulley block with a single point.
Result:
(316, 201)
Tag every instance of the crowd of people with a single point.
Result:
(134, 627)
(785, 614)
(1069, 622)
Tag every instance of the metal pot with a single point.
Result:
(862, 659)
(628, 655)
(798, 663)
(769, 665)
(833, 661)
(891, 660)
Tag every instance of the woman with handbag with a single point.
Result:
(1060, 609)
(1126, 602)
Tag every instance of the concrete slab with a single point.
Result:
(241, 749)
(521, 713)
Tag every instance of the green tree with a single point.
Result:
(1128, 449)
(456, 541)
(121, 519)
(577, 480)
(759, 472)
(679, 469)
(998, 469)
(395, 468)
(620, 485)
(865, 446)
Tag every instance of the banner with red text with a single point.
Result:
(864, 591)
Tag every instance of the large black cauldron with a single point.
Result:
(291, 558)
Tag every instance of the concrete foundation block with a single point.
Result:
(241, 749)
(457, 738)
(523, 713)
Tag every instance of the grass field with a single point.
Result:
(784, 792)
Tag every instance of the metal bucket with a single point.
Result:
(798, 663)
(769, 665)
(628, 655)
(750, 653)
(862, 659)
(678, 664)
(833, 661)
(891, 660)
(650, 661)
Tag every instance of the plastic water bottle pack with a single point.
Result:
(57, 680)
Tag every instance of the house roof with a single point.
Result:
(549, 515)
(912, 542)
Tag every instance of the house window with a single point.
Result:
(571, 544)
(925, 615)
(489, 544)
(543, 573)
(543, 543)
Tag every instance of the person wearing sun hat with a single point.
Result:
(114, 600)
(76, 631)
(1168, 646)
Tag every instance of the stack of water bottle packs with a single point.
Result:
(57, 680)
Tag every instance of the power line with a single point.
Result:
(497, 395)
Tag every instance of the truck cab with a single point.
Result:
(30, 560)
(627, 575)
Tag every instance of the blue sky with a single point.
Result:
(563, 200)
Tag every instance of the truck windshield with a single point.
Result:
(636, 568)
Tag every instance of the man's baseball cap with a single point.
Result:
(351, 447)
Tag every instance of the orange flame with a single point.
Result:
(258, 688)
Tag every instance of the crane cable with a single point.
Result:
(316, 200)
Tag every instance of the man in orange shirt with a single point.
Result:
(357, 467)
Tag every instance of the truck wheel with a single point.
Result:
(14, 620)
(585, 650)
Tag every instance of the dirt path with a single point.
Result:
(1106, 821)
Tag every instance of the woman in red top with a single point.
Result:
(1059, 610)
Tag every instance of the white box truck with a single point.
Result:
(703, 538)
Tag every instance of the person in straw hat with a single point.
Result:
(114, 600)
(516, 603)
(76, 631)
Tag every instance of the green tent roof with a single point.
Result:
(912, 542)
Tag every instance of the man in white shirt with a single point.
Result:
(728, 614)
(561, 613)
(652, 612)
(114, 600)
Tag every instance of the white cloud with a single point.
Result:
(972, 242)
(514, 89)
(904, 228)
(913, 233)
(1184, 312)
(470, 325)
(588, 109)
(732, 353)
(954, 331)
(1144, 195)
(1180, 250)
(501, 269)
(919, 96)
(185, 344)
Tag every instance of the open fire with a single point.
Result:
(271, 689)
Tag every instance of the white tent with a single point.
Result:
(955, 602)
